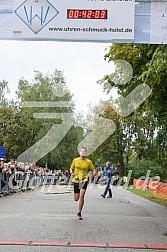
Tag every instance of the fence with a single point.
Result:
(19, 182)
(154, 187)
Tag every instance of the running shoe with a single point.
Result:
(79, 216)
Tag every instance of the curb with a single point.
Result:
(83, 244)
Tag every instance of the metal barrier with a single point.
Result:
(17, 182)
(21, 181)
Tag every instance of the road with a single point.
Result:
(39, 219)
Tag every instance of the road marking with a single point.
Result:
(14, 242)
(83, 244)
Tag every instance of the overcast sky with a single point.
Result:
(82, 64)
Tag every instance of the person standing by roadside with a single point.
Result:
(79, 170)
(2, 182)
(107, 174)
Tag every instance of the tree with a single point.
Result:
(49, 88)
(112, 149)
(142, 126)
(4, 89)
(22, 126)
(155, 75)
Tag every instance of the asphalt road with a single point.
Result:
(47, 215)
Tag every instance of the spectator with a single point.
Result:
(107, 174)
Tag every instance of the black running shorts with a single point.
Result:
(79, 186)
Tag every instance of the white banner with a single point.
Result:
(158, 23)
(80, 20)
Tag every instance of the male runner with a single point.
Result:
(80, 168)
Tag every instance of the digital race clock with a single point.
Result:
(86, 14)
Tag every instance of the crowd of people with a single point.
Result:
(16, 175)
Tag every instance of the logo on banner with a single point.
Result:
(36, 14)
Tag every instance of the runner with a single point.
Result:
(80, 168)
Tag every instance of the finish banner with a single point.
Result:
(80, 20)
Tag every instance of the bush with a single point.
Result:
(141, 169)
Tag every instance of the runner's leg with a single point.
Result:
(81, 200)
(76, 191)
(76, 196)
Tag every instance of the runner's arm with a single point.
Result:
(72, 168)
(71, 171)
(92, 169)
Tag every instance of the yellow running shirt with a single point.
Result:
(81, 169)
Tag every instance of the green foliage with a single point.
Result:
(141, 169)
(19, 129)
(142, 135)
(4, 89)
(137, 55)
(150, 196)
(62, 156)
(113, 147)
(155, 75)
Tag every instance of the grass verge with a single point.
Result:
(161, 200)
